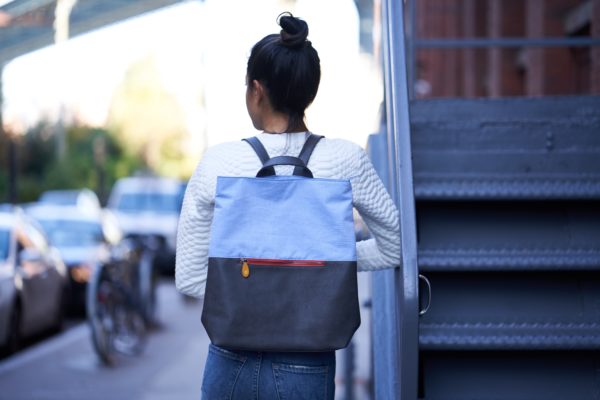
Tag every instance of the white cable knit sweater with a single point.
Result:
(332, 158)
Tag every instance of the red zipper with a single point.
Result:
(284, 263)
(246, 262)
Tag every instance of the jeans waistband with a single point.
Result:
(307, 358)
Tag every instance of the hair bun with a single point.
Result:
(294, 32)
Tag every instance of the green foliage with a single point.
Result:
(51, 157)
(146, 130)
(149, 120)
(4, 184)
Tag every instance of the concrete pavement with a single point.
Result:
(65, 366)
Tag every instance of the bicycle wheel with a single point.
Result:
(130, 330)
(147, 280)
(100, 304)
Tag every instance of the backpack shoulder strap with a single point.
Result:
(258, 148)
(306, 152)
(260, 151)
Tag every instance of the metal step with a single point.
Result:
(509, 375)
(478, 259)
(508, 236)
(514, 148)
(510, 336)
(512, 311)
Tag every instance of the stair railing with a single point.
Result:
(401, 382)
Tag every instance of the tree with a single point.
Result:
(148, 120)
(40, 168)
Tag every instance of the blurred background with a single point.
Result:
(93, 91)
(117, 95)
(108, 106)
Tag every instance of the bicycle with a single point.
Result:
(121, 302)
(148, 247)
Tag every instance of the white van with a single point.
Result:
(149, 207)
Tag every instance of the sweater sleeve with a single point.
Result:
(193, 232)
(379, 212)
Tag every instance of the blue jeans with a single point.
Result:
(248, 375)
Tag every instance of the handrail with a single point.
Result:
(464, 43)
(399, 163)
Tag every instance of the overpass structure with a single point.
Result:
(28, 25)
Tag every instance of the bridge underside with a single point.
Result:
(28, 25)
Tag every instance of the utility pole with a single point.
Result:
(62, 13)
(11, 150)
(100, 162)
(13, 169)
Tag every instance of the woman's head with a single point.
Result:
(287, 68)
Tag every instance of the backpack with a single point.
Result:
(282, 260)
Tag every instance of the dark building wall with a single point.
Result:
(561, 67)
(503, 75)
(438, 70)
(499, 72)
(595, 53)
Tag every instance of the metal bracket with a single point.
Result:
(428, 284)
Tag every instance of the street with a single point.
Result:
(65, 366)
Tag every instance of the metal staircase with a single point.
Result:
(506, 221)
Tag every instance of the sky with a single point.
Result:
(201, 49)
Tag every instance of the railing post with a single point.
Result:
(412, 51)
(400, 164)
(386, 359)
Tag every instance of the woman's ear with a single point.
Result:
(258, 90)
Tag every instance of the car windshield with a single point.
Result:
(155, 202)
(63, 198)
(71, 233)
(4, 244)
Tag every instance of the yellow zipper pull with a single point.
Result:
(245, 268)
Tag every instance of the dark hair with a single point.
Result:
(289, 67)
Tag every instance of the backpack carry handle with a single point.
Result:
(300, 163)
(268, 170)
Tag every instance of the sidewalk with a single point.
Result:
(65, 367)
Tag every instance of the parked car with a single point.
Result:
(148, 208)
(85, 199)
(83, 239)
(32, 279)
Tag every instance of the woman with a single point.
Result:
(283, 77)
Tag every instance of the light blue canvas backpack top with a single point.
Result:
(282, 260)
